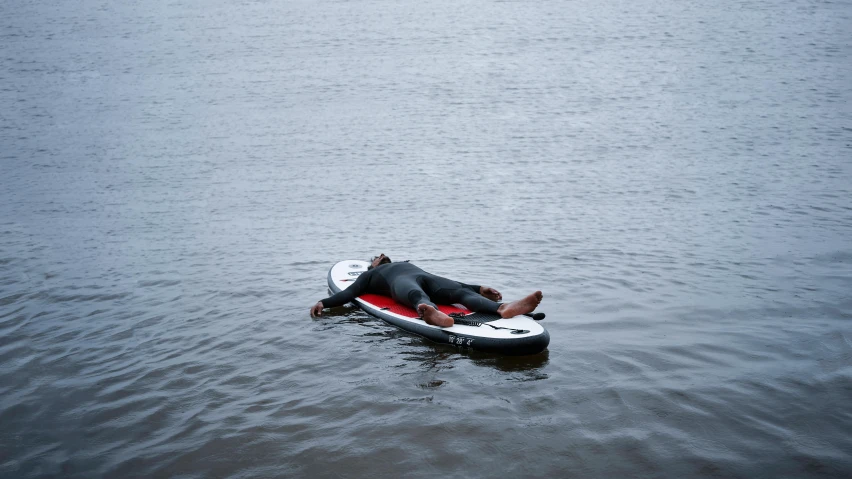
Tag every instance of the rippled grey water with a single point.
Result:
(177, 177)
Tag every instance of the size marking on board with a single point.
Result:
(460, 341)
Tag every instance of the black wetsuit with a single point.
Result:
(410, 285)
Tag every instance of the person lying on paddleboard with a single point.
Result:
(415, 288)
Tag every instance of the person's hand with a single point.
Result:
(316, 310)
(490, 293)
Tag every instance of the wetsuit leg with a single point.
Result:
(477, 302)
(447, 291)
(408, 290)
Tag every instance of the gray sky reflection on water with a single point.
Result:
(178, 178)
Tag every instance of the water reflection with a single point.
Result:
(531, 365)
(168, 221)
(429, 353)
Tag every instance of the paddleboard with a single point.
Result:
(480, 331)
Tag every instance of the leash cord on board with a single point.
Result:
(458, 318)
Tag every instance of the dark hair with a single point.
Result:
(373, 259)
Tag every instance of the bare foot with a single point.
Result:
(434, 317)
(521, 306)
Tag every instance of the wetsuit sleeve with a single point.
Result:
(357, 288)
(474, 287)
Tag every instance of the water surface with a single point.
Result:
(177, 178)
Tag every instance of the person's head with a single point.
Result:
(377, 260)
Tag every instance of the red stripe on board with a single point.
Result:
(382, 302)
